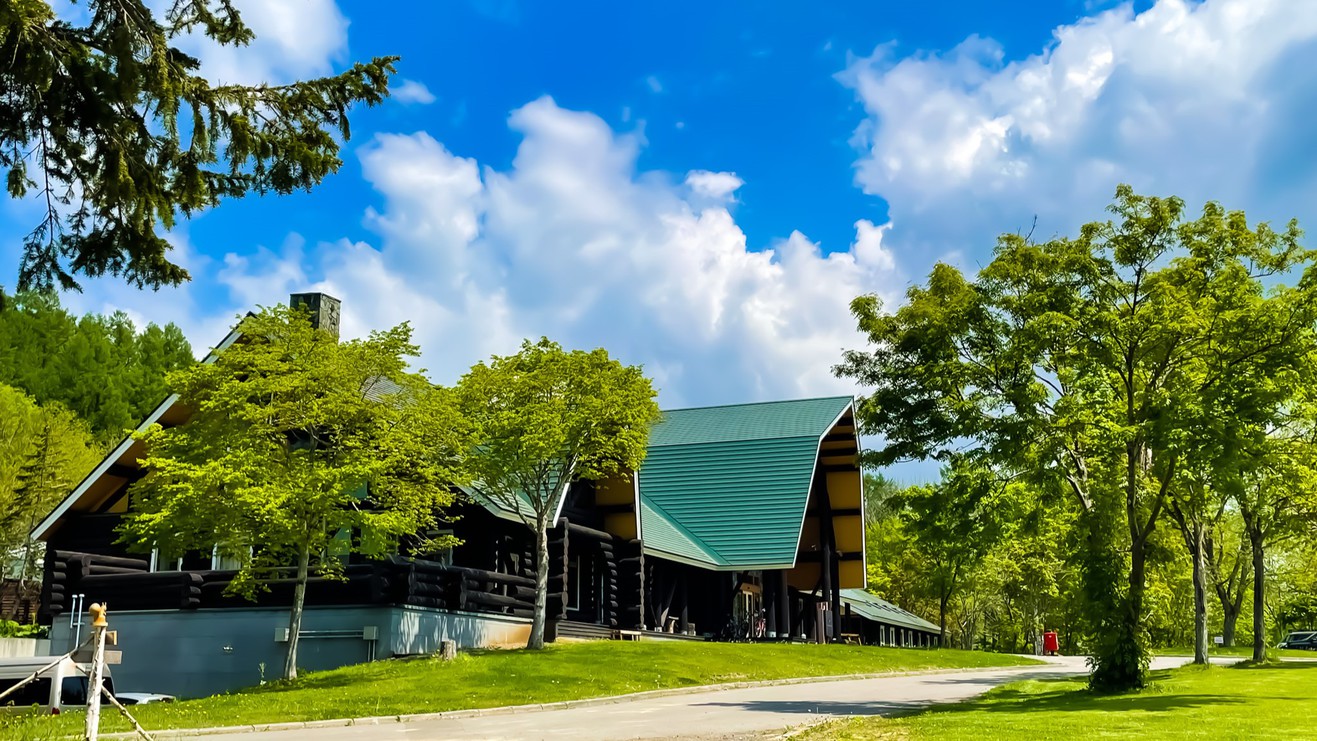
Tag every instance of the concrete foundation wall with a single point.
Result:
(193, 653)
(17, 648)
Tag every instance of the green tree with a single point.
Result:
(1277, 499)
(100, 367)
(952, 525)
(301, 449)
(1078, 361)
(118, 132)
(546, 417)
(44, 451)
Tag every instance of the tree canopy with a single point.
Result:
(301, 450)
(543, 418)
(44, 451)
(117, 132)
(102, 368)
(1099, 364)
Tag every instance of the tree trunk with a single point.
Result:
(1230, 617)
(942, 614)
(295, 615)
(1200, 592)
(1259, 592)
(536, 640)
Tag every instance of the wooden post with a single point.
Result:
(685, 603)
(784, 606)
(98, 625)
(770, 605)
(826, 567)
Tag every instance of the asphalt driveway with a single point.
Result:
(707, 715)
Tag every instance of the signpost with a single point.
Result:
(97, 679)
(99, 658)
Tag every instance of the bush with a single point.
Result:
(13, 629)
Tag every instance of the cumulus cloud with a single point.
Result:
(713, 185)
(574, 242)
(294, 39)
(411, 91)
(1204, 100)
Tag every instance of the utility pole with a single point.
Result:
(98, 626)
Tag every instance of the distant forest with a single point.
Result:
(70, 387)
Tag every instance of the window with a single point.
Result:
(220, 562)
(33, 693)
(164, 564)
(73, 691)
(441, 555)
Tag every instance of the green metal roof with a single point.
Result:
(742, 422)
(727, 486)
(882, 611)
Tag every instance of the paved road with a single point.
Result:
(707, 715)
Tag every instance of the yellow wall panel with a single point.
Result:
(851, 574)
(804, 576)
(621, 524)
(844, 489)
(617, 490)
(850, 533)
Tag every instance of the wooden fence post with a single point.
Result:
(98, 625)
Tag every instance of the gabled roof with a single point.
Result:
(726, 487)
(882, 611)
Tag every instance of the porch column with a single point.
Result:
(770, 605)
(826, 567)
(784, 604)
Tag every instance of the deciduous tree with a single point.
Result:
(1081, 361)
(300, 449)
(543, 418)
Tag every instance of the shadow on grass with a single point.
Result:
(1299, 665)
(1005, 702)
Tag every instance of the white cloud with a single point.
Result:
(294, 39)
(717, 186)
(1204, 100)
(654, 83)
(573, 242)
(411, 91)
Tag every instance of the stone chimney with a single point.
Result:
(324, 309)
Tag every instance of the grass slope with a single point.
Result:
(481, 679)
(1272, 701)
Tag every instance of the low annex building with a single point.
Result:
(744, 522)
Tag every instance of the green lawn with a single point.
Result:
(1242, 651)
(483, 679)
(1272, 701)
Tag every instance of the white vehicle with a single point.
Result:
(141, 698)
(63, 685)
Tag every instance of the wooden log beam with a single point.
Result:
(817, 556)
(589, 532)
(482, 599)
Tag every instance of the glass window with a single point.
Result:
(33, 693)
(73, 691)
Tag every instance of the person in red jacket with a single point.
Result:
(1050, 646)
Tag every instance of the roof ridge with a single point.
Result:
(675, 525)
(758, 403)
(808, 436)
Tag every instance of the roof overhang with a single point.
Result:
(120, 455)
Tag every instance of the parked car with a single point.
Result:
(63, 684)
(1304, 639)
(141, 698)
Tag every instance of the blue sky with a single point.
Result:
(701, 187)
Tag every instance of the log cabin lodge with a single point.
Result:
(745, 522)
